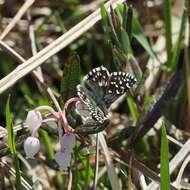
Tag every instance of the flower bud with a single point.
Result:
(31, 147)
(63, 159)
(33, 119)
(68, 142)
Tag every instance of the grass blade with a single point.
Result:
(132, 108)
(9, 128)
(129, 21)
(164, 173)
(104, 19)
(139, 35)
(176, 50)
(168, 28)
(125, 43)
(12, 144)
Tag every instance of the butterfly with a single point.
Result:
(99, 89)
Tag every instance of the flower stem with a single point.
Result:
(67, 128)
(50, 109)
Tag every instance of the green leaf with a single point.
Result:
(17, 169)
(168, 28)
(133, 108)
(125, 43)
(113, 31)
(12, 144)
(176, 52)
(124, 13)
(139, 35)
(164, 167)
(70, 78)
(104, 18)
(119, 11)
(108, 24)
(10, 128)
(129, 21)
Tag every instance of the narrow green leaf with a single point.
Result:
(176, 52)
(12, 144)
(124, 22)
(104, 18)
(9, 127)
(18, 174)
(125, 43)
(133, 108)
(129, 21)
(113, 31)
(168, 28)
(119, 11)
(164, 167)
(115, 20)
(70, 78)
(139, 35)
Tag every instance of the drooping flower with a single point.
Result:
(31, 147)
(67, 142)
(33, 119)
(63, 159)
(63, 156)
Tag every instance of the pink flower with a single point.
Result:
(63, 159)
(31, 147)
(67, 142)
(33, 119)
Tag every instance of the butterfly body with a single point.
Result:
(99, 89)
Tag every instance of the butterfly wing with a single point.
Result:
(119, 83)
(92, 92)
(96, 82)
(99, 76)
(94, 111)
(99, 90)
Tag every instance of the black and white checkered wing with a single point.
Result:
(97, 114)
(94, 111)
(95, 84)
(99, 76)
(82, 95)
(119, 83)
(100, 89)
